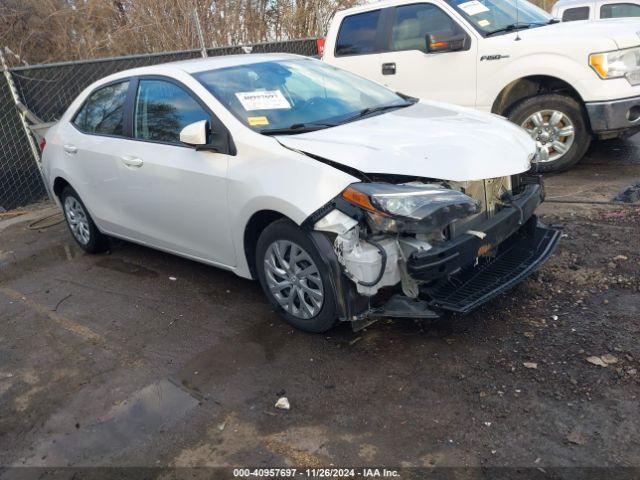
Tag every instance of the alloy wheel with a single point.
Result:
(553, 132)
(78, 220)
(293, 279)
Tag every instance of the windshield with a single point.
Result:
(303, 93)
(500, 16)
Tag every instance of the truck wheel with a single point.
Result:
(294, 278)
(558, 125)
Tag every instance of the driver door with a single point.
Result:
(172, 196)
(406, 66)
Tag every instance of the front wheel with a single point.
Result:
(559, 127)
(294, 277)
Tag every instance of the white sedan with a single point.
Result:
(346, 200)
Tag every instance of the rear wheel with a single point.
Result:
(80, 223)
(294, 277)
(558, 125)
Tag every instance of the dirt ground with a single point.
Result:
(139, 358)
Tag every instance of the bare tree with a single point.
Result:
(49, 30)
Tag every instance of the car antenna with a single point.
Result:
(517, 39)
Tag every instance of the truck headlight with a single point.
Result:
(410, 208)
(617, 64)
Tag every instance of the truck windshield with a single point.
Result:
(493, 17)
(297, 95)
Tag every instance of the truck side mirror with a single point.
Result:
(446, 42)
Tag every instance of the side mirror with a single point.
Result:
(195, 134)
(200, 136)
(446, 42)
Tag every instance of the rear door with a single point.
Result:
(173, 196)
(91, 145)
(408, 68)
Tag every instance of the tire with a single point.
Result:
(81, 225)
(522, 113)
(273, 256)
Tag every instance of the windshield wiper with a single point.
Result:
(298, 128)
(369, 110)
(513, 27)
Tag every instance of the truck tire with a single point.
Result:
(294, 277)
(559, 127)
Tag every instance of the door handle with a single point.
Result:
(70, 149)
(132, 161)
(388, 68)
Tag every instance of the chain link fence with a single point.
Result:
(20, 180)
(47, 90)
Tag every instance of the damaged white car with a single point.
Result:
(346, 200)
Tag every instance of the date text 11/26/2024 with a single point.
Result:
(315, 473)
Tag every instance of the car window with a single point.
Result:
(357, 34)
(103, 111)
(578, 13)
(162, 110)
(616, 10)
(413, 22)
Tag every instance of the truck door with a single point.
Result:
(357, 44)
(409, 67)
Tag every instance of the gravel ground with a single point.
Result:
(107, 361)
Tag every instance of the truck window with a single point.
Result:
(357, 34)
(577, 13)
(413, 22)
(616, 10)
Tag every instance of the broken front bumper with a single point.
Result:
(516, 258)
(453, 255)
(462, 273)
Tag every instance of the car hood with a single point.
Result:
(428, 139)
(622, 31)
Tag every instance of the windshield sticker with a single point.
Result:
(473, 7)
(255, 121)
(484, 23)
(262, 100)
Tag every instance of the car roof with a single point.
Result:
(202, 64)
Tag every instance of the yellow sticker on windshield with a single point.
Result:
(484, 23)
(255, 121)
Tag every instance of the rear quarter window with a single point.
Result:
(357, 34)
(103, 112)
(577, 13)
(617, 10)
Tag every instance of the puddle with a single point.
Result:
(12, 265)
(119, 265)
(119, 429)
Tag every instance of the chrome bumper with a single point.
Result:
(614, 115)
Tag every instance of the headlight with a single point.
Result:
(418, 208)
(621, 63)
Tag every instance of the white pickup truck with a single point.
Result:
(564, 83)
